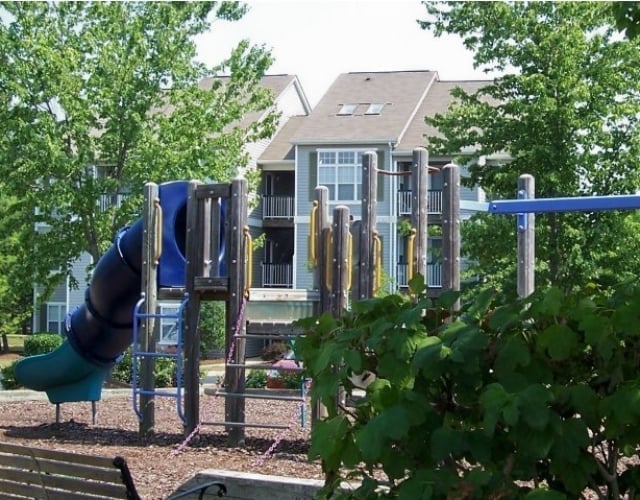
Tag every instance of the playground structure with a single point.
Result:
(192, 244)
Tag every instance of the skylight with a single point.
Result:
(347, 109)
(375, 108)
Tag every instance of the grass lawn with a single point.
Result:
(16, 342)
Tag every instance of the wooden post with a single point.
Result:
(152, 231)
(342, 271)
(419, 199)
(321, 196)
(451, 229)
(365, 281)
(526, 239)
(236, 259)
(321, 236)
(191, 334)
(341, 261)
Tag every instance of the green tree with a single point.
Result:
(627, 16)
(101, 97)
(565, 109)
(16, 293)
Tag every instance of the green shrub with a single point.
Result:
(165, 370)
(8, 374)
(292, 380)
(42, 343)
(506, 398)
(212, 326)
(256, 379)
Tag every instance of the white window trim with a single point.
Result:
(63, 310)
(337, 151)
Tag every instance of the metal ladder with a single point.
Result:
(301, 398)
(178, 356)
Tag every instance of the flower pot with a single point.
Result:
(275, 383)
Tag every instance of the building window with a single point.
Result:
(55, 317)
(341, 173)
(169, 326)
(347, 109)
(374, 108)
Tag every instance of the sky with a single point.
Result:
(319, 39)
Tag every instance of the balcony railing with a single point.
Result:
(434, 202)
(434, 275)
(277, 207)
(277, 275)
(107, 201)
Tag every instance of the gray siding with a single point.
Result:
(304, 277)
(256, 269)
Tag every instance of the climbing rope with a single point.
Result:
(236, 330)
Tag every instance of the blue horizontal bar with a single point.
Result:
(575, 204)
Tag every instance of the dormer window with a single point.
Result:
(347, 109)
(375, 108)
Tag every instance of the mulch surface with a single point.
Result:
(161, 462)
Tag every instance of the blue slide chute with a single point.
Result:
(100, 330)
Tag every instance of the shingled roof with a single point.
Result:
(406, 98)
(399, 92)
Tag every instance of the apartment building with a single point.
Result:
(382, 112)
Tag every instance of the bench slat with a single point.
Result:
(27, 472)
(66, 456)
(45, 482)
(61, 468)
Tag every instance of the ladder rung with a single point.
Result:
(144, 392)
(247, 395)
(149, 354)
(264, 366)
(241, 424)
(267, 336)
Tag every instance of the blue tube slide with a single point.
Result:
(100, 330)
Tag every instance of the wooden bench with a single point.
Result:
(27, 472)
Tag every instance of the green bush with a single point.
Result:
(42, 343)
(506, 398)
(256, 379)
(8, 374)
(292, 380)
(165, 370)
(212, 325)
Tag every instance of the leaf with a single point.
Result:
(533, 402)
(481, 303)
(443, 443)
(512, 352)
(493, 399)
(326, 439)
(551, 303)
(371, 440)
(503, 317)
(353, 359)
(427, 358)
(544, 494)
(559, 340)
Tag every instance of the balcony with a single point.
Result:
(107, 201)
(434, 275)
(277, 275)
(434, 202)
(277, 207)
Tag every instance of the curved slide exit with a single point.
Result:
(100, 330)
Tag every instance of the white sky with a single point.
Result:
(319, 39)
